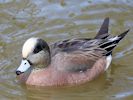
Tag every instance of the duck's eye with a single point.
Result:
(24, 63)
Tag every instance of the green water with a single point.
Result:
(56, 20)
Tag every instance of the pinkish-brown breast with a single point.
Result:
(53, 77)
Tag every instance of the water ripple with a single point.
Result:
(124, 95)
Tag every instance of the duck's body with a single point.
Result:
(51, 76)
(68, 62)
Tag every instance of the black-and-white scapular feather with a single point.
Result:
(111, 42)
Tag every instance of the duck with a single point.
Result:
(68, 62)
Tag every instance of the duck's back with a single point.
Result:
(76, 55)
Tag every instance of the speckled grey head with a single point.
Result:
(35, 52)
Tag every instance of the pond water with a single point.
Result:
(55, 20)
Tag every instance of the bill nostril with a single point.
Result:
(18, 72)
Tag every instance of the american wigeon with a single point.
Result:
(68, 62)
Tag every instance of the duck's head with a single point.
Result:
(35, 52)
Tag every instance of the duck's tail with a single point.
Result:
(103, 32)
(112, 42)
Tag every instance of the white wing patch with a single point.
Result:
(28, 47)
(108, 59)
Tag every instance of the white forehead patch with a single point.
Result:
(28, 47)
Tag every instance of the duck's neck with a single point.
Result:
(38, 68)
(47, 59)
(43, 65)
